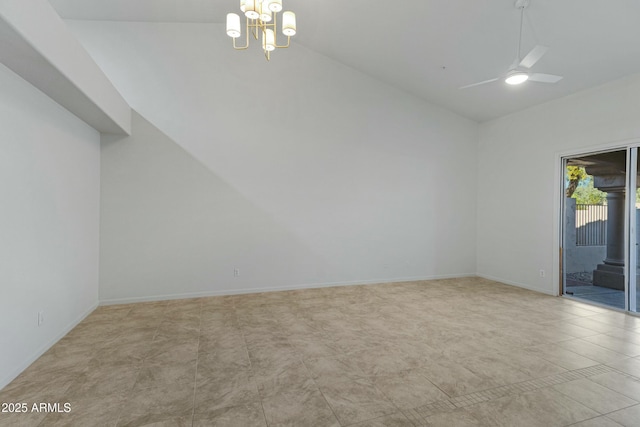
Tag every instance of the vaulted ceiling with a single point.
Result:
(430, 48)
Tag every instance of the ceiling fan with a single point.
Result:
(519, 72)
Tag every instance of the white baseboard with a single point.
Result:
(275, 289)
(19, 369)
(517, 284)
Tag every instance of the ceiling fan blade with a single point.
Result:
(544, 78)
(533, 56)
(479, 83)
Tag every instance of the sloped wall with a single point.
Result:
(317, 174)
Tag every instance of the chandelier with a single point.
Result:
(261, 22)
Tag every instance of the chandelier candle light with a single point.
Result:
(261, 22)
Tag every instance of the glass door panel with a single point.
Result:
(594, 228)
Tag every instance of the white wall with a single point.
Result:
(317, 174)
(519, 178)
(49, 193)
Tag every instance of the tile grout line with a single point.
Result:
(582, 355)
(321, 392)
(588, 419)
(314, 381)
(447, 405)
(605, 348)
(600, 414)
(246, 349)
(139, 370)
(195, 376)
(432, 383)
(628, 376)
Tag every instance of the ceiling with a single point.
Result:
(430, 48)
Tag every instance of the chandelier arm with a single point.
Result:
(287, 45)
(246, 46)
(275, 31)
(255, 27)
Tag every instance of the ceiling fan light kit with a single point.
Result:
(261, 18)
(518, 72)
(516, 78)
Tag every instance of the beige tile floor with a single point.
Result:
(459, 352)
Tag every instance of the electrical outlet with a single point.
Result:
(40, 318)
(236, 272)
(542, 273)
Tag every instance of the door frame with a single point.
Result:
(631, 237)
(631, 146)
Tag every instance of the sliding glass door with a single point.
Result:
(594, 267)
(601, 228)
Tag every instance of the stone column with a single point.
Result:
(615, 228)
(610, 274)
